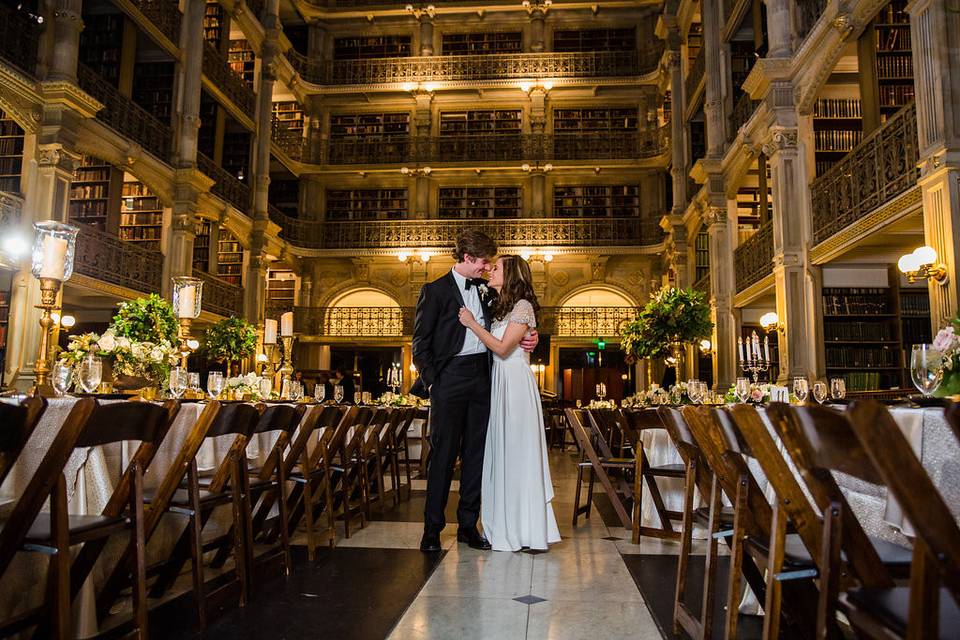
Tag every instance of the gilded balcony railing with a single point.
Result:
(881, 167)
(585, 322)
(742, 111)
(220, 296)
(753, 260)
(289, 140)
(506, 66)
(226, 185)
(695, 75)
(216, 68)
(106, 257)
(125, 116)
(19, 37)
(431, 233)
(163, 13)
(807, 14)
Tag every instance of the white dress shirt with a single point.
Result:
(471, 298)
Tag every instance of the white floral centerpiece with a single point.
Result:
(392, 399)
(243, 387)
(602, 404)
(947, 344)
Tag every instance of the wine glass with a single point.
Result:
(926, 368)
(266, 386)
(296, 391)
(820, 391)
(742, 389)
(320, 392)
(91, 372)
(801, 388)
(62, 378)
(214, 383)
(693, 391)
(193, 381)
(338, 393)
(178, 381)
(838, 388)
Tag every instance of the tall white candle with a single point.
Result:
(186, 301)
(766, 348)
(54, 258)
(286, 324)
(740, 348)
(270, 331)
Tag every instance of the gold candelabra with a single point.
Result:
(49, 287)
(270, 364)
(286, 371)
(185, 340)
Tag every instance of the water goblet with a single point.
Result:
(338, 393)
(320, 392)
(926, 368)
(91, 372)
(178, 381)
(214, 383)
(820, 391)
(266, 386)
(296, 391)
(62, 378)
(193, 381)
(838, 388)
(742, 389)
(801, 388)
(693, 391)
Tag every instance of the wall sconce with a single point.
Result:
(537, 168)
(529, 85)
(706, 347)
(536, 5)
(425, 257)
(419, 11)
(548, 257)
(402, 256)
(418, 172)
(922, 263)
(770, 322)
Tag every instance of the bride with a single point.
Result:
(516, 493)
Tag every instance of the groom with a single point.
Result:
(455, 374)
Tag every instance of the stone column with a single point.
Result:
(423, 113)
(421, 184)
(67, 25)
(314, 150)
(716, 121)
(312, 196)
(317, 37)
(538, 195)
(936, 60)
(779, 28)
(538, 110)
(678, 146)
(426, 35)
(538, 18)
(721, 227)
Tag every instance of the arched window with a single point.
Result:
(364, 312)
(594, 312)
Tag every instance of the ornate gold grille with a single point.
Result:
(753, 260)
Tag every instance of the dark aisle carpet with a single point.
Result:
(412, 510)
(656, 575)
(348, 593)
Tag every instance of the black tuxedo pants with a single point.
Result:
(459, 410)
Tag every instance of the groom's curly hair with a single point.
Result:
(517, 286)
(475, 243)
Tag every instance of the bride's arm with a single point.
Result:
(503, 347)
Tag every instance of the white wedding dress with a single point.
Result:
(517, 490)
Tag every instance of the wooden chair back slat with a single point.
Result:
(952, 414)
(18, 422)
(280, 417)
(121, 421)
(833, 445)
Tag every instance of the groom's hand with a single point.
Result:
(530, 341)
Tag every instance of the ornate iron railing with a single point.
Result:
(220, 296)
(431, 233)
(695, 75)
(106, 257)
(626, 145)
(753, 260)
(585, 322)
(506, 66)
(216, 68)
(226, 185)
(807, 14)
(256, 7)
(19, 38)
(742, 111)
(703, 284)
(289, 140)
(881, 167)
(125, 116)
(163, 13)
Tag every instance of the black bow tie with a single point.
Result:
(475, 282)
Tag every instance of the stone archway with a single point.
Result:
(594, 311)
(363, 312)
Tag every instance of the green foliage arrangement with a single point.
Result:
(231, 339)
(149, 319)
(671, 316)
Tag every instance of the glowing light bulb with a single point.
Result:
(925, 255)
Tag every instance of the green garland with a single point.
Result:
(672, 315)
(231, 339)
(149, 319)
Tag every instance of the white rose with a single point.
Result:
(123, 343)
(156, 354)
(107, 342)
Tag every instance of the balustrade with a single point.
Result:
(106, 257)
(19, 37)
(587, 322)
(881, 167)
(226, 185)
(695, 75)
(507, 66)
(220, 296)
(703, 284)
(125, 116)
(289, 140)
(218, 71)
(742, 111)
(753, 260)
(163, 13)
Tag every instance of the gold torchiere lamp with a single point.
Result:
(187, 300)
(54, 247)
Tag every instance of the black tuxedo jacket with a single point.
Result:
(437, 333)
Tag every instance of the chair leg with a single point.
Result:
(576, 494)
(637, 498)
(196, 547)
(710, 568)
(284, 515)
(58, 578)
(590, 482)
(830, 575)
(686, 537)
(328, 495)
(138, 553)
(240, 551)
(736, 558)
(771, 605)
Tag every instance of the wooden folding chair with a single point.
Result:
(19, 421)
(924, 610)
(347, 474)
(89, 424)
(370, 461)
(396, 443)
(597, 459)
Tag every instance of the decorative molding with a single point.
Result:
(781, 140)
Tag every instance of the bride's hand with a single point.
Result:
(466, 318)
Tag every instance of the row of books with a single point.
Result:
(836, 139)
(863, 381)
(915, 304)
(87, 191)
(143, 203)
(855, 301)
(861, 357)
(895, 38)
(11, 146)
(88, 208)
(135, 189)
(139, 233)
(859, 331)
(141, 219)
(10, 165)
(10, 128)
(895, 67)
(894, 95)
(837, 108)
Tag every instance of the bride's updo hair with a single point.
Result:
(517, 285)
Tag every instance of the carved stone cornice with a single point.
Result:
(713, 215)
(780, 140)
(765, 72)
(193, 178)
(20, 98)
(57, 157)
(70, 96)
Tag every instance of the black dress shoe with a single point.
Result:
(430, 542)
(473, 538)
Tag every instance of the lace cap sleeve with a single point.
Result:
(523, 314)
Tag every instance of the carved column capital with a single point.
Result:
(673, 60)
(57, 157)
(781, 140)
(714, 216)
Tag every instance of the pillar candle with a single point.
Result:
(286, 324)
(54, 258)
(766, 348)
(269, 331)
(186, 301)
(740, 348)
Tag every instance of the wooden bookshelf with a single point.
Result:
(285, 195)
(290, 115)
(236, 154)
(213, 24)
(11, 154)
(207, 136)
(465, 44)
(281, 289)
(201, 246)
(101, 43)
(743, 55)
(461, 123)
(595, 40)
(702, 255)
(229, 258)
(837, 125)
(153, 88)
(90, 193)
(365, 47)
(369, 125)
(596, 201)
(589, 120)
(894, 57)
(366, 204)
(480, 202)
(915, 325)
(242, 60)
(141, 215)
